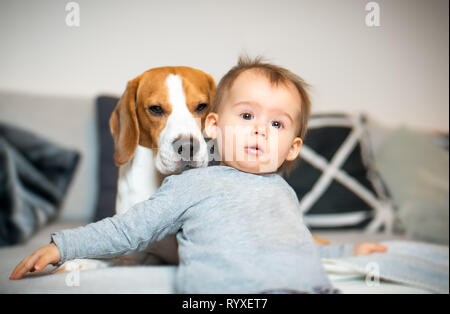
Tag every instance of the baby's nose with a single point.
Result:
(260, 130)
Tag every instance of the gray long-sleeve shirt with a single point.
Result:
(237, 232)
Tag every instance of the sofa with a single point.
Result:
(420, 195)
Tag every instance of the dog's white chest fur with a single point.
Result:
(138, 180)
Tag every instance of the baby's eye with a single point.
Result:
(246, 116)
(277, 124)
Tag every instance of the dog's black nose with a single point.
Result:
(186, 147)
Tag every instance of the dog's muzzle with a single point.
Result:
(185, 151)
(186, 148)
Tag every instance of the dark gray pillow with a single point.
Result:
(108, 172)
(354, 195)
(34, 177)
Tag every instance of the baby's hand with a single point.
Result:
(367, 248)
(48, 254)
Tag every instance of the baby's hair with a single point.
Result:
(276, 75)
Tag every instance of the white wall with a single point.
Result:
(398, 72)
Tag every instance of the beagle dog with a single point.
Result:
(157, 129)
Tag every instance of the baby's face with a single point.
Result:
(257, 124)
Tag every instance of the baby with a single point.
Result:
(238, 224)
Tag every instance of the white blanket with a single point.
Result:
(414, 264)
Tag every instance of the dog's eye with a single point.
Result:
(156, 110)
(201, 107)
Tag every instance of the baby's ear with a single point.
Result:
(211, 121)
(295, 149)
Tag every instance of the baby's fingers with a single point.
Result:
(42, 262)
(26, 265)
(378, 248)
(369, 248)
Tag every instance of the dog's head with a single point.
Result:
(164, 109)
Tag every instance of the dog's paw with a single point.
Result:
(81, 264)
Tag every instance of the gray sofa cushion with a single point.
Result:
(417, 173)
(66, 121)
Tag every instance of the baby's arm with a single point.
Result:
(109, 237)
(146, 222)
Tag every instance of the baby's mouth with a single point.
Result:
(254, 150)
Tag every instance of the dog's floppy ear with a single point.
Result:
(124, 125)
(212, 88)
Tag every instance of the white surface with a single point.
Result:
(397, 72)
(147, 279)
